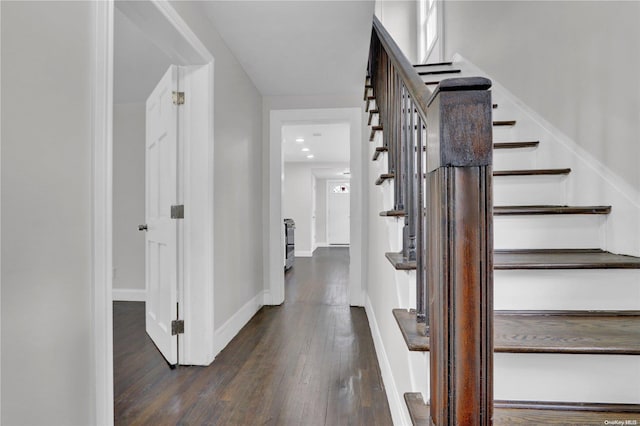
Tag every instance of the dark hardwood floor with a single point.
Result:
(310, 361)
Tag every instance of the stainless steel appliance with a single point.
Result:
(289, 251)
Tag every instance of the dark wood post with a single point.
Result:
(460, 252)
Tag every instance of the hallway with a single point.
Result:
(310, 361)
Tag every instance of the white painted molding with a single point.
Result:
(396, 403)
(129, 295)
(303, 253)
(227, 331)
(273, 242)
(266, 298)
(187, 35)
(101, 253)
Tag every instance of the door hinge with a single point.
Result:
(177, 211)
(177, 327)
(178, 98)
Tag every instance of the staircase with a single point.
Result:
(567, 313)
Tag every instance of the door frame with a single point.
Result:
(326, 197)
(273, 242)
(160, 21)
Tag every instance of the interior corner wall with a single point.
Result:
(47, 342)
(238, 262)
(574, 62)
(128, 198)
(400, 18)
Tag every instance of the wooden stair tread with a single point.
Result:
(570, 332)
(504, 123)
(374, 129)
(438, 72)
(400, 263)
(562, 259)
(379, 150)
(383, 177)
(548, 210)
(392, 213)
(434, 64)
(532, 172)
(537, 412)
(515, 145)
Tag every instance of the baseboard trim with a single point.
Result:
(227, 331)
(303, 253)
(393, 396)
(128, 295)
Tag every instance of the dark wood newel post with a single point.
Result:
(460, 252)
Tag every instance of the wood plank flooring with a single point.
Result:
(310, 361)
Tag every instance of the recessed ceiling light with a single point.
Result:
(299, 139)
(305, 149)
(310, 156)
(346, 172)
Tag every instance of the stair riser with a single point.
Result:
(571, 289)
(548, 231)
(567, 377)
(514, 159)
(529, 190)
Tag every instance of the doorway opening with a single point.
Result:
(314, 155)
(118, 115)
(286, 140)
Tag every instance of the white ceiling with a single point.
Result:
(328, 143)
(138, 63)
(302, 47)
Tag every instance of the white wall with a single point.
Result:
(46, 213)
(238, 268)
(399, 17)
(575, 63)
(128, 199)
(321, 211)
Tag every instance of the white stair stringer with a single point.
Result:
(567, 289)
(388, 289)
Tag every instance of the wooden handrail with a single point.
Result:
(415, 86)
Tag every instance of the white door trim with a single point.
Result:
(160, 20)
(273, 245)
(101, 254)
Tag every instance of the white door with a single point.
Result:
(338, 212)
(161, 192)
